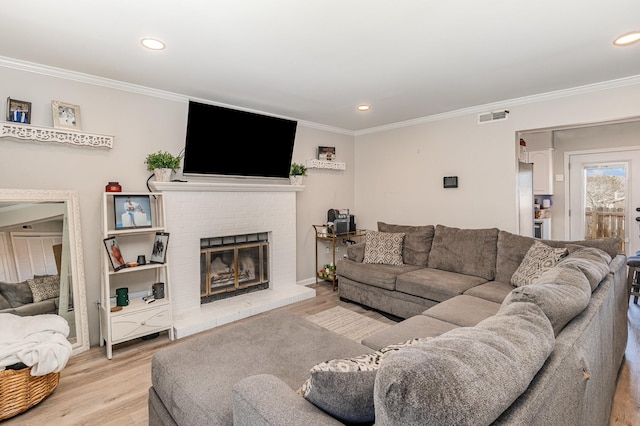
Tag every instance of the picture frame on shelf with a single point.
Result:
(327, 153)
(115, 255)
(132, 211)
(159, 249)
(65, 116)
(18, 111)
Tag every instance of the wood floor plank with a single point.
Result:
(94, 390)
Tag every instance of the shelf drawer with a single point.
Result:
(140, 323)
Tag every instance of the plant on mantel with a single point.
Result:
(162, 164)
(296, 173)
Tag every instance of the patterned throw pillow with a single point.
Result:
(44, 288)
(383, 247)
(344, 387)
(539, 258)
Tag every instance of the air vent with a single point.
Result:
(493, 116)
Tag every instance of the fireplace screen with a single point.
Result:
(232, 265)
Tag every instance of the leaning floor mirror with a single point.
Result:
(40, 241)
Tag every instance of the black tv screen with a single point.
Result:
(228, 142)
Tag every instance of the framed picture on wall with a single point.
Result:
(115, 255)
(18, 111)
(327, 153)
(159, 250)
(132, 211)
(65, 116)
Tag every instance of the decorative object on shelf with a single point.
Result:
(113, 187)
(327, 153)
(18, 111)
(65, 116)
(132, 211)
(328, 272)
(122, 296)
(47, 134)
(321, 164)
(142, 260)
(115, 255)
(157, 290)
(450, 182)
(162, 164)
(296, 173)
(159, 250)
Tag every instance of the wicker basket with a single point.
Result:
(19, 390)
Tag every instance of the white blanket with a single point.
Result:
(38, 341)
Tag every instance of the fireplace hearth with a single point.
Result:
(233, 265)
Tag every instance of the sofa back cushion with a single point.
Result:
(17, 294)
(417, 241)
(465, 251)
(512, 248)
(467, 376)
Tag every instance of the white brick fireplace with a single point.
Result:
(196, 210)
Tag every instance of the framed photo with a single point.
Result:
(65, 116)
(132, 211)
(115, 255)
(327, 153)
(159, 250)
(18, 111)
(450, 182)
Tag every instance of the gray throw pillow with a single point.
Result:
(539, 258)
(17, 294)
(383, 247)
(417, 241)
(344, 387)
(4, 303)
(466, 376)
(465, 251)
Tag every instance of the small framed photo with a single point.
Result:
(115, 255)
(159, 250)
(450, 182)
(65, 116)
(132, 211)
(18, 111)
(327, 153)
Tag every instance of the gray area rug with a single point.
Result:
(349, 324)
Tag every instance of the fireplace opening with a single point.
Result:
(233, 265)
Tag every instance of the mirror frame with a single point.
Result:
(70, 197)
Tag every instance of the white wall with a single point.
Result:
(399, 171)
(141, 124)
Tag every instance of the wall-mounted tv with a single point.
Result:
(228, 142)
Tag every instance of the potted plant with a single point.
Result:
(162, 164)
(296, 173)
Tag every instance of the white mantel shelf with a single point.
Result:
(223, 187)
(48, 134)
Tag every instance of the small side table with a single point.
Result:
(324, 233)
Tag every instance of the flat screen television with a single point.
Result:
(228, 142)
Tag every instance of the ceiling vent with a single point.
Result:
(488, 117)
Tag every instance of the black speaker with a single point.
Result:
(158, 290)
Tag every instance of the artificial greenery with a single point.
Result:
(298, 170)
(162, 160)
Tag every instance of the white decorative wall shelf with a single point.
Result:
(48, 134)
(320, 164)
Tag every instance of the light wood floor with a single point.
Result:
(97, 391)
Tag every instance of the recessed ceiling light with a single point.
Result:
(364, 107)
(152, 43)
(627, 39)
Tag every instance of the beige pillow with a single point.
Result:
(539, 258)
(46, 287)
(383, 247)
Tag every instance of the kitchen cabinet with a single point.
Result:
(542, 171)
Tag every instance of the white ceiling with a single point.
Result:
(316, 60)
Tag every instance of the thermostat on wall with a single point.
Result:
(451, 181)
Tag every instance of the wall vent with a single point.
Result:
(488, 117)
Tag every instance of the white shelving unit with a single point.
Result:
(138, 318)
(48, 134)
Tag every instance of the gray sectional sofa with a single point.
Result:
(474, 348)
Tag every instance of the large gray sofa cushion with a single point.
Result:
(194, 378)
(494, 291)
(467, 376)
(416, 326)
(435, 284)
(17, 294)
(465, 251)
(592, 262)
(465, 311)
(377, 275)
(417, 241)
(4, 303)
(512, 248)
